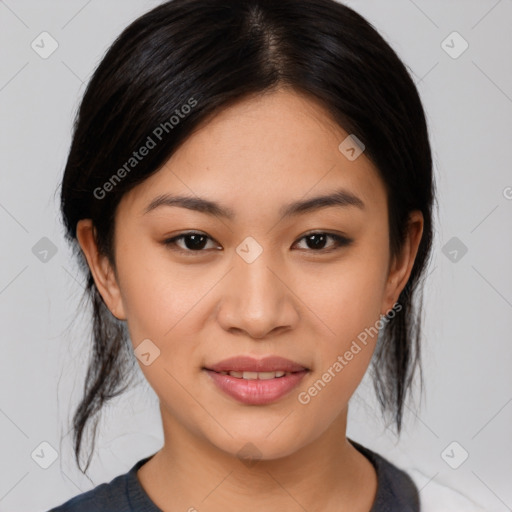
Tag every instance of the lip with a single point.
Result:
(250, 364)
(256, 392)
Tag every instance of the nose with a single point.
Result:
(257, 300)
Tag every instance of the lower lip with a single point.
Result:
(256, 392)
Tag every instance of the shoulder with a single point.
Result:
(439, 496)
(396, 491)
(120, 494)
(104, 497)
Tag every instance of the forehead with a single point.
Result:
(261, 153)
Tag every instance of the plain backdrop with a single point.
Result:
(457, 443)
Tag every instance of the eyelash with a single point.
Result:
(340, 241)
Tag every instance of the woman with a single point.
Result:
(249, 191)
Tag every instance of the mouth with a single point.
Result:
(256, 381)
(250, 365)
(257, 375)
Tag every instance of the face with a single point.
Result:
(254, 276)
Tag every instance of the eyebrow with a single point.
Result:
(339, 198)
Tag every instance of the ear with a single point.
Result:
(401, 266)
(101, 269)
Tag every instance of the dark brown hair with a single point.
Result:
(218, 52)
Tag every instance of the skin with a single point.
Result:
(294, 300)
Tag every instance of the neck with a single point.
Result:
(327, 474)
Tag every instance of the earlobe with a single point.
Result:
(101, 269)
(402, 265)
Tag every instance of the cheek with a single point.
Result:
(347, 298)
(348, 303)
(156, 295)
(343, 354)
(162, 304)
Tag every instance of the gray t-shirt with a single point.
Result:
(396, 492)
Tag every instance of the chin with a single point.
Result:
(252, 445)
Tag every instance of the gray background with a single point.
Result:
(468, 306)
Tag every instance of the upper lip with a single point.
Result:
(250, 364)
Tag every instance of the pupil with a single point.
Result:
(195, 244)
(318, 236)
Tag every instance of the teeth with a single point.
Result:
(266, 375)
(256, 375)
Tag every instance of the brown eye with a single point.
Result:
(317, 241)
(192, 242)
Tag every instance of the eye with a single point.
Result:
(317, 241)
(196, 242)
(193, 241)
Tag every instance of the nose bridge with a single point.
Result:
(257, 301)
(256, 285)
(257, 279)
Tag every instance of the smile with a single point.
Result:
(256, 375)
(255, 388)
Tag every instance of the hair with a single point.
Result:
(210, 54)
